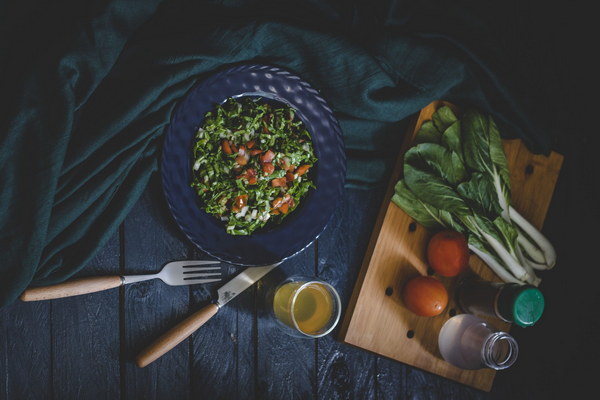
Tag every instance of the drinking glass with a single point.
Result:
(304, 306)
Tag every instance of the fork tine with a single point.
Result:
(191, 263)
(202, 275)
(193, 271)
(200, 280)
(187, 272)
(198, 273)
(196, 267)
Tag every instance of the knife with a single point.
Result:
(191, 324)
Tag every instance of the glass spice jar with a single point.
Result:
(516, 303)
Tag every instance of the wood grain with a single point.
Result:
(176, 335)
(152, 307)
(345, 372)
(86, 337)
(285, 365)
(73, 287)
(230, 336)
(25, 351)
(376, 319)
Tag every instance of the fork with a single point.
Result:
(175, 273)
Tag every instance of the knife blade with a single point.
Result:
(185, 328)
(241, 282)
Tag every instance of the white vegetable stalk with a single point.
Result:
(536, 266)
(524, 253)
(511, 262)
(494, 265)
(535, 258)
(501, 199)
(532, 250)
(532, 278)
(541, 241)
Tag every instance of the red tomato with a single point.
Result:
(268, 168)
(278, 182)
(448, 253)
(226, 147)
(302, 169)
(267, 157)
(425, 296)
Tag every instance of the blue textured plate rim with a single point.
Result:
(205, 231)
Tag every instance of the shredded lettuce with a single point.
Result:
(252, 163)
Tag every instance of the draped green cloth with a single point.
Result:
(88, 89)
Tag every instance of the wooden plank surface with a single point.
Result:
(88, 325)
(285, 365)
(151, 240)
(376, 319)
(344, 372)
(228, 334)
(26, 351)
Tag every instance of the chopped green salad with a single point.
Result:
(251, 163)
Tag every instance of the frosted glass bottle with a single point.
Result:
(468, 342)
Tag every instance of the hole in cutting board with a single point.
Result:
(410, 334)
(529, 169)
(412, 226)
(389, 291)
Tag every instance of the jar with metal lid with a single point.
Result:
(511, 302)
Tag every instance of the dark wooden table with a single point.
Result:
(83, 347)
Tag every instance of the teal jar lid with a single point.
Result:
(523, 305)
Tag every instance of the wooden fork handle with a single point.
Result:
(73, 287)
(176, 335)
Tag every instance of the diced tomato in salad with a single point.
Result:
(252, 163)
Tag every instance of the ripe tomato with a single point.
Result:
(448, 253)
(425, 296)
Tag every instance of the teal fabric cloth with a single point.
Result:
(88, 89)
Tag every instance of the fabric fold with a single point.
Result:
(82, 134)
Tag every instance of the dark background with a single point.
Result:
(83, 347)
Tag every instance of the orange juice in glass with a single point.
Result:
(307, 307)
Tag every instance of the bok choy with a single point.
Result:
(456, 176)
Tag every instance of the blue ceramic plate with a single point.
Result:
(300, 228)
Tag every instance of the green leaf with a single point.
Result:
(443, 117)
(500, 229)
(428, 134)
(451, 138)
(449, 221)
(476, 146)
(509, 233)
(497, 154)
(407, 201)
(480, 194)
(437, 192)
(425, 214)
(438, 161)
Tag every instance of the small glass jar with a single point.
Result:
(510, 302)
(468, 342)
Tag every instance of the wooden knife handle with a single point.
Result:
(176, 335)
(73, 287)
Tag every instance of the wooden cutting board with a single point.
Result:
(376, 319)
